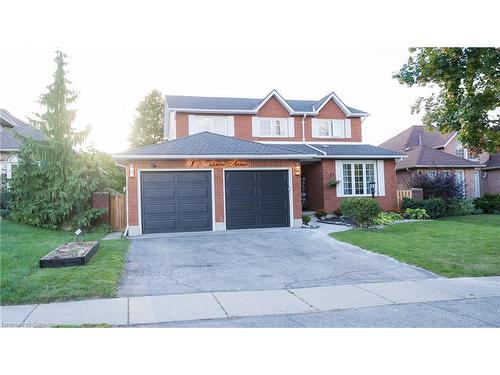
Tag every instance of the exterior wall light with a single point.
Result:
(131, 172)
(297, 169)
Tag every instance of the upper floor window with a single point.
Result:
(223, 125)
(460, 150)
(272, 127)
(326, 128)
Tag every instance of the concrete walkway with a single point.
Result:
(145, 310)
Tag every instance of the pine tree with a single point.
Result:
(148, 125)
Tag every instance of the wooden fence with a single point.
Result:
(403, 194)
(117, 208)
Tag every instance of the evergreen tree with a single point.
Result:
(57, 187)
(148, 124)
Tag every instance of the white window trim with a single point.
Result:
(288, 125)
(346, 131)
(378, 177)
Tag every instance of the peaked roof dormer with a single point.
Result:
(275, 94)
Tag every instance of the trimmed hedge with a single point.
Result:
(362, 210)
(489, 203)
(435, 207)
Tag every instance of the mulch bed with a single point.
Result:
(338, 220)
(70, 254)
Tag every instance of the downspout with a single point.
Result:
(303, 128)
(125, 232)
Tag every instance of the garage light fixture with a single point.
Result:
(297, 169)
(131, 171)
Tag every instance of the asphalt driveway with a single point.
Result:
(253, 260)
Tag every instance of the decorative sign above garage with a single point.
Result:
(216, 163)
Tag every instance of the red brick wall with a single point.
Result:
(320, 195)
(218, 181)
(273, 108)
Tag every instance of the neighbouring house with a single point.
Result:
(491, 174)
(431, 152)
(236, 163)
(12, 131)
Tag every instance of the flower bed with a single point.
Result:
(70, 254)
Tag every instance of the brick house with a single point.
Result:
(234, 163)
(430, 152)
(12, 132)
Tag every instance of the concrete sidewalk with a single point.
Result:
(223, 305)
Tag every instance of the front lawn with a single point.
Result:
(452, 247)
(22, 281)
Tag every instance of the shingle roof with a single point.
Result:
(423, 156)
(493, 162)
(355, 149)
(10, 125)
(416, 135)
(200, 103)
(209, 144)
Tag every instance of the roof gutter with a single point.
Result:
(216, 157)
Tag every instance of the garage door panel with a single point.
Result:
(280, 205)
(241, 206)
(256, 199)
(192, 224)
(193, 192)
(241, 176)
(164, 177)
(241, 192)
(158, 208)
(158, 193)
(192, 177)
(176, 201)
(193, 208)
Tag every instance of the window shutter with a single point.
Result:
(230, 126)
(347, 123)
(193, 129)
(339, 175)
(255, 127)
(315, 127)
(380, 178)
(291, 127)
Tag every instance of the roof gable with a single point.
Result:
(203, 104)
(417, 135)
(428, 157)
(13, 130)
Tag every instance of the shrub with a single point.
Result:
(5, 198)
(361, 210)
(416, 214)
(320, 213)
(435, 207)
(457, 207)
(338, 212)
(489, 203)
(386, 218)
(306, 219)
(437, 185)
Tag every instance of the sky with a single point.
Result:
(112, 81)
(120, 50)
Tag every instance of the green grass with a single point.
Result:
(22, 281)
(452, 247)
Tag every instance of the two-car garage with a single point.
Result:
(183, 201)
